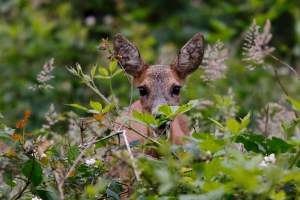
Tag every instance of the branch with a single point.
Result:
(267, 120)
(131, 157)
(60, 185)
(294, 71)
(277, 77)
(28, 180)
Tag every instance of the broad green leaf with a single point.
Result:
(233, 126)
(101, 144)
(252, 142)
(210, 145)
(33, 171)
(73, 153)
(295, 103)
(96, 105)
(186, 107)
(203, 136)
(221, 127)
(108, 108)
(93, 71)
(77, 106)
(166, 110)
(146, 118)
(112, 65)
(113, 194)
(277, 145)
(103, 71)
(49, 194)
(117, 72)
(131, 119)
(11, 183)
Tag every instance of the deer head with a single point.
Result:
(159, 84)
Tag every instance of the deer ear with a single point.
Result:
(190, 56)
(130, 58)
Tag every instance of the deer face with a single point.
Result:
(159, 84)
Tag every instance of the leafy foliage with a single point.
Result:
(226, 156)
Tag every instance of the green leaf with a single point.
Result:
(227, 102)
(93, 71)
(219, 99)
(277, 145)
(233, 126)
(131, 119)
(295, 103)
(103, 71)
(77, 106)
(49, 194)
(166, 110)
(221, 127)
(33, 171)
(211, 145)
(11, 183)
(112, 65)
(113, 194)
(252, 142)
(245, 121)
(186, 107)
(73, 153)
(146, 118)
(99, 76)
(203, 136)
(108, 108)
(101, 144)
(96, 105)
(117, 72)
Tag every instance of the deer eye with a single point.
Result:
(176, 90)
(143, 91)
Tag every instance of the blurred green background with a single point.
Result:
(34, 31)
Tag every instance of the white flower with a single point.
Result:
(90, 162)
(262, 164)
(43, 155)
(272, 158)
(36, 198)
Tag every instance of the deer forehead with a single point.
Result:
(159, 77)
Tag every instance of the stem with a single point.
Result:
(277, 77)
(60, 185)
(131, 157)
(294, 71)
(267, 120)
(295, 159)
(28, 180)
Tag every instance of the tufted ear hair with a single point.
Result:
(190, 56)
(130, 57)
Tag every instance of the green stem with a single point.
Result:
(295, 159)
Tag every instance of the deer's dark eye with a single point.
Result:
(176, 90)
(143, 91)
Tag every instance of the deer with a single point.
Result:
(158, 85)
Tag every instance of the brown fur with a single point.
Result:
(159, 81)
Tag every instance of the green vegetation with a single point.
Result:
(57, 65)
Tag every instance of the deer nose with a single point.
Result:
(157, 116)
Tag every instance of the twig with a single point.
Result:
(131, 157)
(28, 180)
(277, 77)
(295, 159)
(267, 120)
(62, 182)
(294, 71)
